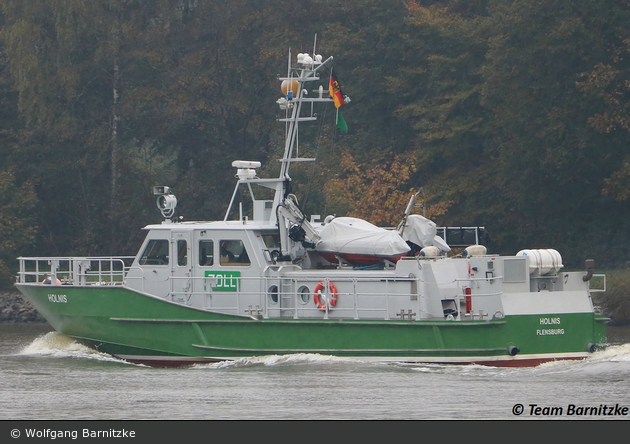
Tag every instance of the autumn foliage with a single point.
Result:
(372, 192)
(509, 115)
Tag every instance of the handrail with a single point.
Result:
(374, 295)
(74, 270)
(597, 290)
(96, 271)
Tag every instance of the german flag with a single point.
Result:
(335, 91)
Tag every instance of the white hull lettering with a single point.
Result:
(228, 282)
(549, 321)
(224, 281)
(58, 298)
(550, 331)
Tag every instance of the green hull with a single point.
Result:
(145, 329)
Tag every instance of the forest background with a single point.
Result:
(512, 115)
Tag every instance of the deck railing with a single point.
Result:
(74, 270)
(374, 295)
(377, 295)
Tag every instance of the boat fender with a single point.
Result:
(430, 251)
(474, 250)
(325, 304)
(513, 350)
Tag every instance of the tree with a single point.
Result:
(610, 83)
(439, 94)
(550, 164)
(70, 91)
(372, 193)
(17, 223)
(510, 115)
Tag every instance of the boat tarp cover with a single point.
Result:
(350, 235)
(422, 231)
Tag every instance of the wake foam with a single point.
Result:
(58, 345)
(613, 353)
(276, 360)
(617, 353)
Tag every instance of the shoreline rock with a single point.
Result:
(14, 308)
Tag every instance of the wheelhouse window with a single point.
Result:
(272, 240)
(206, 253)
(155, 253)
(233, 253)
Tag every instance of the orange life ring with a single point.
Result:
(325, 304)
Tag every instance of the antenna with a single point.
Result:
(314, 45)
(289, 64)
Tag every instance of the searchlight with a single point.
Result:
(166, 201)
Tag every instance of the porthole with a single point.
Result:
(272, 294)
(304, 294)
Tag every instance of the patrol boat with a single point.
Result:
(271, 281)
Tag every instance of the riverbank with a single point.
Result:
(615, 301)
(14, 308)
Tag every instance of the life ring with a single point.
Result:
(325, 303)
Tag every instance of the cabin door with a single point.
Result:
(181, 270)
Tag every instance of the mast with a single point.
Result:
(307, 71)
(286, 213)
(295, 90)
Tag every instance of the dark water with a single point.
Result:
(47, 376)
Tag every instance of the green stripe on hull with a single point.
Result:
(123, 322)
